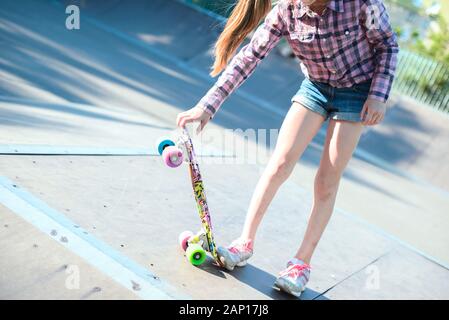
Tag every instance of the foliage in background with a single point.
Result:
(407, 4)
(436, 45)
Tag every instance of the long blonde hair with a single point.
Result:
(244, 18)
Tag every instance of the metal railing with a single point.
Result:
(423, 79)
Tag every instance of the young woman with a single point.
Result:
(348, 53)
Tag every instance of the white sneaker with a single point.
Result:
(294, 278)
(236, 254)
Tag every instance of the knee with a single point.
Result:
(280, 169)
(326, 185)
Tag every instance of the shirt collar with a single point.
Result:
(335, 5)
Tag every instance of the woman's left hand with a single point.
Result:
(373, 112)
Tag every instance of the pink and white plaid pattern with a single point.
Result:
(350, 43)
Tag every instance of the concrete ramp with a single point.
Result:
(88, 210)
(140, 207)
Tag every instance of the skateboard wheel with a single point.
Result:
(172, 156)
(184, 238)
(164, 143)
(195, 254)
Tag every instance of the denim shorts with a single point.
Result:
(333, 103)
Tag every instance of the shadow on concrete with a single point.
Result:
(395, 146)
(71, 109)
(262, 281)
(211, 267)
(257, 279)
(77, 67)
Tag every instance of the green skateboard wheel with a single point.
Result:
(195, 254)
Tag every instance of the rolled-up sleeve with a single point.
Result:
(384, 41)
(243, 64)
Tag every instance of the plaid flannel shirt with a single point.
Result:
(351, 42)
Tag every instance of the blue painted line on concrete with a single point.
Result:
(111, 262)
(42, 150)
(24, 149)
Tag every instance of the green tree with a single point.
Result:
(436, 45)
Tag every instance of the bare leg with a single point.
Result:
(341, 140)
(298, 129)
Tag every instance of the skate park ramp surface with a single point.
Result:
(89, 211)
(140, 209)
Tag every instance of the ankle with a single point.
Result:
(247, 241)
(302, 258)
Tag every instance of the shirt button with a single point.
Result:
(324, 40)
(347, 32)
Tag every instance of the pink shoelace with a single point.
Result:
(295, 270)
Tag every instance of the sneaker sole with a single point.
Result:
(242, 264)
(281, 285)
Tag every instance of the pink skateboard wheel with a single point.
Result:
(183, 238)
(172, 156)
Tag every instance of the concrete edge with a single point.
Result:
(112, 263)
(50, 150)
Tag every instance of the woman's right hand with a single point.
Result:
(195, 114)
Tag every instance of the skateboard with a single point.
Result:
(173, 152)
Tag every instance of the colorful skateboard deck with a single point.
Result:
(204, 239)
